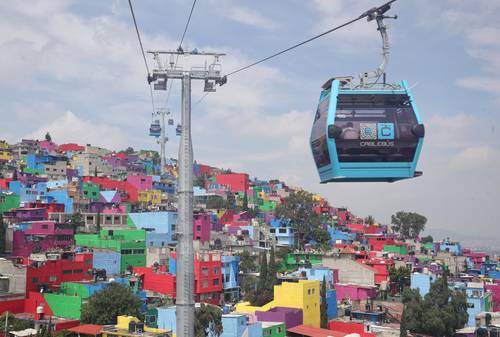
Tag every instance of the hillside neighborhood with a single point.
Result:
(88, 243)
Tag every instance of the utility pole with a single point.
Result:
(185, 250)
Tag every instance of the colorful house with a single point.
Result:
(130, 243)
(304, 295)
(40, 236)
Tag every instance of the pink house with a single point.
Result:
(495, 291)
(49, 146)
(355, 292)
(201, 226)
(141, 183)
(40, 236)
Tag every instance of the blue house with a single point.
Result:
(236, 325)
(337, 236)
(230, 280)
(108, 260)
(156, 222)
(422, 282)
(284, 235)
(62, 197)
(30, 193)
(318, 273)
(452, 247)
(157, 240)
(477, 301)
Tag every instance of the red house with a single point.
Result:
(381, 267)
(52, 207)
(65, 267)
(156, 281)
(207, 274)
(70, 147)
(237, 182)
(378, 243)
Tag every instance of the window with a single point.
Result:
(308, 291)
(282, 230)
(215, 281)
(108, 217)
(278, 330)
(45, 226)
(198, 228)
(68, 271)
(204, 284)
(227, 278)
(273, 230)
(204, 271)
(52, 278)
(34, 280)
(216, 270)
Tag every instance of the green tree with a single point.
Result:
(400, 276)
(273, 271)
(104, 306)
(245, 202)
(324, 305)
(408, 224)
(13, 323)
(2, 234)
(48, 137)
(247, 262)
(427, 239)
(263, 277)
(200, 181)
(129, 150)
(207, 321)
(369, 220)
(298, 207)
(439, 314)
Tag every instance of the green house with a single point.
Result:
(91, 191)
(273, 329)
(131, 243)
(293, 261)
(8, 200)
(399, 249)
(64, 306)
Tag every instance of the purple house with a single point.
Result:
(292, 317)
(40, 236)
(110, 197)
(26, 214)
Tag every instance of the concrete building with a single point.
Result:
(12, 277)
(351, 271)
(88, 164)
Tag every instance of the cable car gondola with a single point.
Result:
(170, 121)
(178, 130)
(367, 132)
(155, 129)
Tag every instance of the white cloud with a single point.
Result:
(476, 157)
(70, 128)
(249, 17)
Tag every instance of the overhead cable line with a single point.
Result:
(180, 48)
(142, 51)
(365, 14)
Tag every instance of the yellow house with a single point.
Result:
(122, 329)
(5, 155)
(149, 197)
(303, 295)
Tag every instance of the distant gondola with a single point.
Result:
(155, 129)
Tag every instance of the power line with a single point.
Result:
(187, 24)
(142, 51)
(365, 14)
(180, 47)
(138, 35)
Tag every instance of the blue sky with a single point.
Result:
(74, 68)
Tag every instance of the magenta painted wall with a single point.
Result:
(354, 292)
(292, 317)
(40, 234)
(141, 183)
(202, 226)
